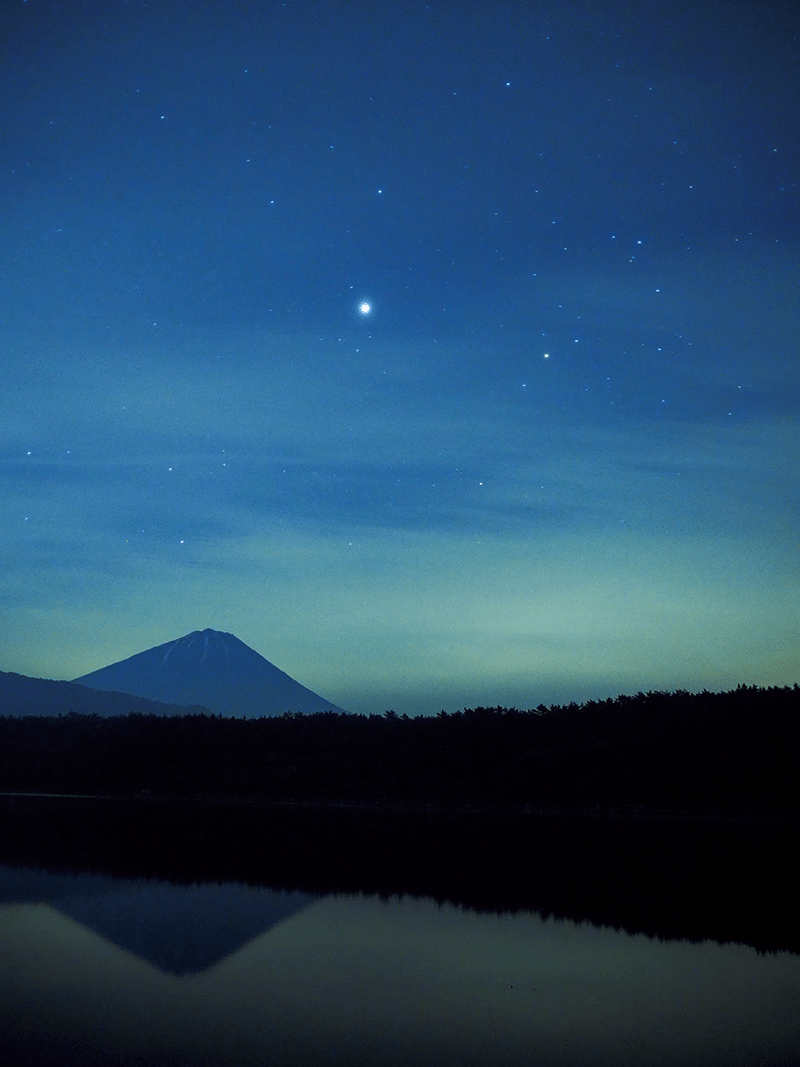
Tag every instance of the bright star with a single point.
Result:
(365, 308)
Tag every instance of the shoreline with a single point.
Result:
(632, 814)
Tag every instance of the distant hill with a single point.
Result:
(213, 669)
(20, 695)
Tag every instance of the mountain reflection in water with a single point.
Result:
(179, 929)
(150, 933)
(363, 980)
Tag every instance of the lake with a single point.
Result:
(160, 964)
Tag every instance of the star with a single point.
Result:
(365, 308)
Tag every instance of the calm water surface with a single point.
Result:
(102, 970)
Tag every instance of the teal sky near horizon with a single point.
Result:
(444, 353)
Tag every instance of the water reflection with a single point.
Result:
(179, 929)
(98, 970)
(674, 878)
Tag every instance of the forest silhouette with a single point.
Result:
(734, 752)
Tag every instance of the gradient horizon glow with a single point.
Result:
(444, 353)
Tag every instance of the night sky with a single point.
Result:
(446, 353)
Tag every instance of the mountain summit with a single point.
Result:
(213, 669)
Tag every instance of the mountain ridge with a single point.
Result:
(22, 696)
(211, 668)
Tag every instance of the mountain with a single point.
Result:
(21, 695)
(210, 668)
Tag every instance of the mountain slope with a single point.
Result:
(211, 668)
(21, 695)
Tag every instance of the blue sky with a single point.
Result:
(557, 458)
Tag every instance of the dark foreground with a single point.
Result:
(671, 814)
(726, 753)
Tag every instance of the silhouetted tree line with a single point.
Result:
(737, 751)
